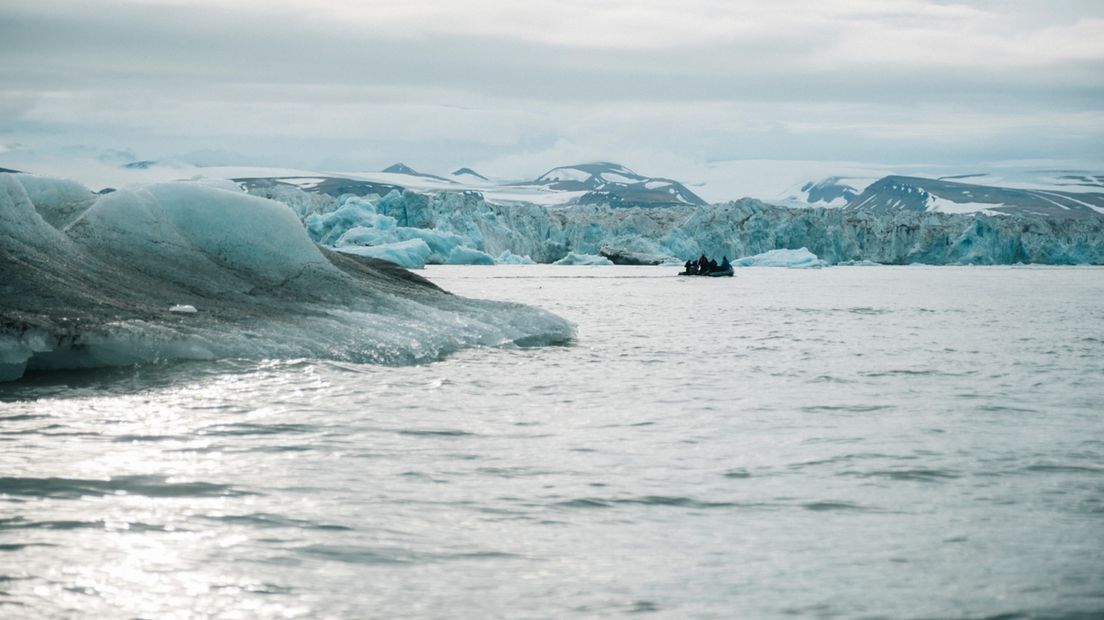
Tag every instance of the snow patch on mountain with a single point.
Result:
(616, 185)
(899, 193)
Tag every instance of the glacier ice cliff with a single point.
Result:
(743, 228)
(92, 280)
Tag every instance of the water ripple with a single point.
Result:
(148, 486)
(914, 475)
(267, 520)
(359, 554)
(647, 500)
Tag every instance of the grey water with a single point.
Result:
(852, 442)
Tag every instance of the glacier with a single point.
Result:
(739, 229)
(573, 258)
(192, 270)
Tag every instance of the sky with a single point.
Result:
(514, 88)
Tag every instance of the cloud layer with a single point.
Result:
(350, 84)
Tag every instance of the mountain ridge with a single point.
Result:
(614, 184)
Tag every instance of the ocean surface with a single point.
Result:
(851, 442)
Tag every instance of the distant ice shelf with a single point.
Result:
(460, 227)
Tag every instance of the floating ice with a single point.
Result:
(794, 259)
(411, 254)
(509, 258)
(101, 290)
(583, 259)
(183, 309)
(464, 255)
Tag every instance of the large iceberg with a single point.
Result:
(188, 271)
(743, 228)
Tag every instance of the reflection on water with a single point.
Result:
(899, 442)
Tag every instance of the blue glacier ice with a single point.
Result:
(509, 258)
(573, 258)
(463, 255)
(800, 258)
(410, 254)
(362, 226)
(109, 280)
(743, 228)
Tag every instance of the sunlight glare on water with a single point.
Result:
(897, 442)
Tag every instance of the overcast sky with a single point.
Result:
(516, 87)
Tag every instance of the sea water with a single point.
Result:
(904, 442)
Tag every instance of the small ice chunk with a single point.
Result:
(183, 309)
(463, 255)
(583, 259)
(410, 254)
(801, 258)
(509, 258)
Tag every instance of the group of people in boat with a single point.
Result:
(707, 267)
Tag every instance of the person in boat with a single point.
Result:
(712, 265)
(689, 267)
(703, 264)
(725, 265)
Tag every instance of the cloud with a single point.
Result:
(495, 81)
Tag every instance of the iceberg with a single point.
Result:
(463, 255)
(794, 259)
(106, 280)
(858, 263)
(509, 258)
(583, 259)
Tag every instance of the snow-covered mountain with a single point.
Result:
(595, 183)
(616, 185)
(1044, 189)
(830, 192)
(468, 172)
(401, 168)
(380, 183)
(144, 164)
(331, 186)
(1061, 196)
(896, 193)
